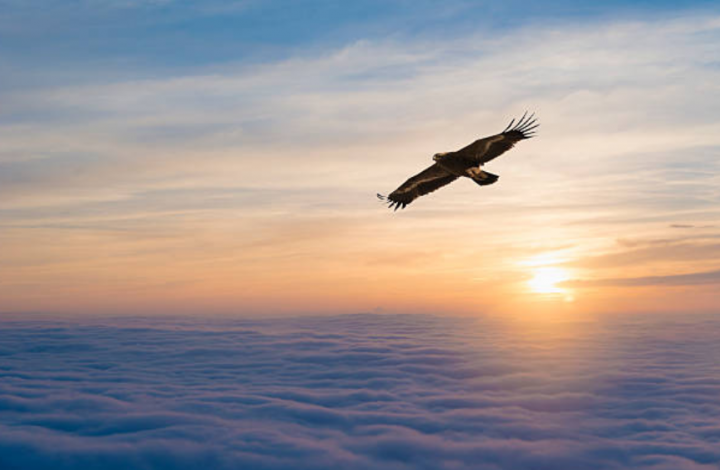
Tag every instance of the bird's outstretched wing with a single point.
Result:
(427, 181)
(483, 150)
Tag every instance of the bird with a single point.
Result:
(467, 162)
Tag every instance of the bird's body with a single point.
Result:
(466, 162)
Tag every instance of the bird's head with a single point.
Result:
(438, 156)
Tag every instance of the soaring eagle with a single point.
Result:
(467, 161)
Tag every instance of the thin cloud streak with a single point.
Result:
(689, 279)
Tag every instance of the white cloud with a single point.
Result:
(605, 93)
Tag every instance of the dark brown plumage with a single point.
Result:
(467, 161)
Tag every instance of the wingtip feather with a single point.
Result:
(526, 125)
(509, 126)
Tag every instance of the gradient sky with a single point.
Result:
(183, 156)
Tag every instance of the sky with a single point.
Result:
(223, 157)
(388, 392)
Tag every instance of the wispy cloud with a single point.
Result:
(689, 279)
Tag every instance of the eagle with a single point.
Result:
(467, 161)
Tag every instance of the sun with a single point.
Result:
(545, 280)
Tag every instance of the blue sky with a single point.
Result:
(166, 33)
(52, 42)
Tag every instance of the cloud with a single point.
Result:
(373, 98)
(689, 279)
(358, 391)
(687, 260)
(661, 252)
(688, 226)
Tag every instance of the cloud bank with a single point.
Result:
(360, 391)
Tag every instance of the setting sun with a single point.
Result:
(545, 280)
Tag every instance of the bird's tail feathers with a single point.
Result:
(485, 178)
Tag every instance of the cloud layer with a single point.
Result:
(360, 391)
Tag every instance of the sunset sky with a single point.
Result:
(196, 273)
(223, 157)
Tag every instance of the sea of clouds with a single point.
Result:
(360, 392)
